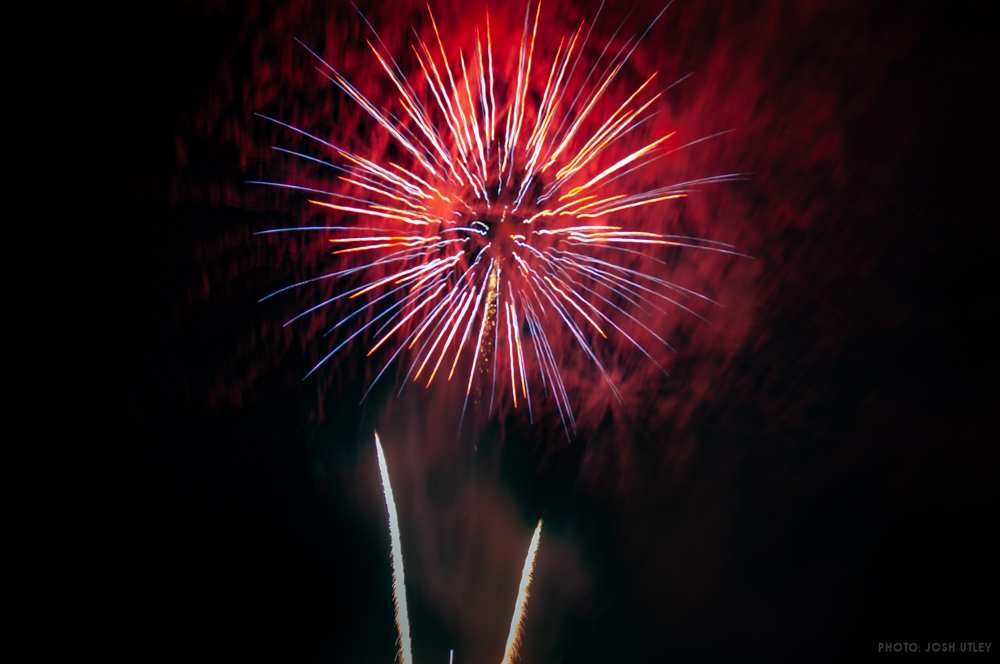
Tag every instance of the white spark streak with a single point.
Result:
(521, 605)
(405, 654)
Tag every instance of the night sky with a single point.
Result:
(816, 475)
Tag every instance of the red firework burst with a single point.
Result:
(497, 218)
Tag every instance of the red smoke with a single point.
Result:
(285, 84)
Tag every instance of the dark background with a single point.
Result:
(869, 514)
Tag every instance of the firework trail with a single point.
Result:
(399, 582)
(520, 606)
(498, 223)
(396, 547)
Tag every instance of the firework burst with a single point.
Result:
(497, 222)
